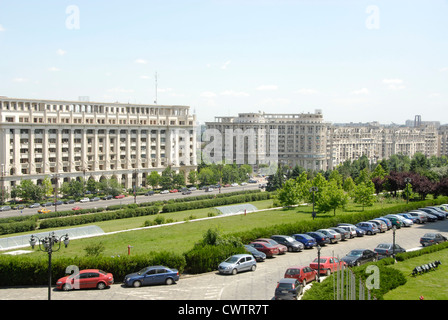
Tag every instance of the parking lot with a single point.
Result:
(257, 285)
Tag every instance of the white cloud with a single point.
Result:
(61, 52)
(394, 84)
(144, 77)
(20, 80)
(164, 89)
(360, 91)
(54, 69)
(434, 95)
(444, 69)
(234, 93)
(141, 61)
(121, 90)
(224, 66)
(268, 87)
(307, 91)
(208, 94)
(1, 28)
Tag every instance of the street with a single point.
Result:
(257, 285)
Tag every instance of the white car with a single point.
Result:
(164, 192)
(84, 200)
(234, 184)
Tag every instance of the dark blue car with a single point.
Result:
(152, 275)
(307, 240)
(320, 238)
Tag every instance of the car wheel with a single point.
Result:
(234, 271)
(137, 284)
(304, 282)
(369, 232)
(101, 286)
(169, 281)
(66, 287)
(253, 268)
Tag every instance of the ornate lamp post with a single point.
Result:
(46, 245)
(318, 263)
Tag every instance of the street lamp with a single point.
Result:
(318, 263)
(394, 228)
(46, 245)
(313, 190)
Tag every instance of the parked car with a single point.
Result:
(34, 205)
(5, 208)
(359, 232)
(71, 201)
(288, 289)
(58, 203)
(395, 221)
(302, 273)
(307, 240)
(94, 199)
(350, 229)
(108, 197)
(152, 275)
(149, 193)
(439, 215)
(320, 238)
(421, 217)
(258, 255)
(332, 235)
(432, 238)
(43, 211)
(387, 221)
(410, 217)
(440, 210)
(174, 191)
(368, 227)
(359, 256)
(268, 249)
(83, 200)
(47, 204)
(164, 191)
(381, 225)
(290, 243)
(387, 249)
(186, 192)
(238, 263)
(120, 196)
(327, 264)
(405, 222)
(281, 248)
(192, 188)
(344, 233)
(86, 279)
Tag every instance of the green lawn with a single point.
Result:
(432, 285)
(181, 238)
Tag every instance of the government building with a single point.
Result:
(72, 139)
(306, 140)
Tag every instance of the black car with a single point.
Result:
(321, 239)
(258, 255)
(288, 289)
(186, 192)
(439, 215)
(58, 203)
(290, 243)
(359, 256)
(432, 238)
(149, 193)
(108, 197)
(387, 249)
(48, 204)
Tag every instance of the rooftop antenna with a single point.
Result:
(155, 101)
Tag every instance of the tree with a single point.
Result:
(30, 191)
(91, 185)
(179, 180)
(153, 179)
(206, 176)
(47, 187)
(289, 194)
(193, 177)
(348, 185)
(363, 194)
(332, 197)
(110, 186)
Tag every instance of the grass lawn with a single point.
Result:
(432, 285)
(181, 238)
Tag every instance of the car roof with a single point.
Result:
(288, 280)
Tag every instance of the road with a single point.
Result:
(125, 201)
(257, 285)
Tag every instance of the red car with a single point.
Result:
(76, 208)
(281, 248)
(268, 249)
(174, 191)
(327, 264)
(86, 279)
(121, 196)
(302, 273)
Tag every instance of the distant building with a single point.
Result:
(73, 139)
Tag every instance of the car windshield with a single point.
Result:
(355, 253)
(285, 285)
(232, 259)
(429, 235)
(290, 239)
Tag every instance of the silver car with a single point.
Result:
(238, 263)
(333, 235)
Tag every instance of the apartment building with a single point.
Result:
(306, 140)
(72, 139)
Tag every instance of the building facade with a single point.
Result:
(306, 140)
(72, 139)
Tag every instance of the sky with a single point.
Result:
(356, 60)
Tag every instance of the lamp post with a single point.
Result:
(56, 177)
(394, 228)
(46, 245)
(313, 190)
(318, 263)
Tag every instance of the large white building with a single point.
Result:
(72, 139)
